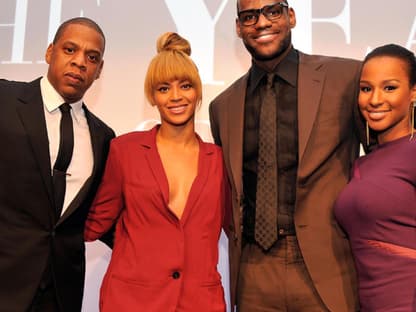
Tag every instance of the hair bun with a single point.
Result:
(171, 41)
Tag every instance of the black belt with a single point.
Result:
(248, 238)
(285, 232)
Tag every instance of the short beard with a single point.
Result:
(282, 48)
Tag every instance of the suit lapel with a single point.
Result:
(97, 142)
(311, 79)
(78, 200)
(155, 164)
(204, 167)
(310, 84)
(235, 130)
(156, 167)
(32, 115)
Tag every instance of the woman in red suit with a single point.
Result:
(167, 193)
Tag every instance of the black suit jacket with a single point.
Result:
(30, 230)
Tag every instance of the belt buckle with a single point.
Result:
(284, 233)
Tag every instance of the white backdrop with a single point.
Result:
(346, 28)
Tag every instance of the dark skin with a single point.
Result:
(75, 61)
(266, 40)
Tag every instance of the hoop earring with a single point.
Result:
(367, 133)
(412, 121)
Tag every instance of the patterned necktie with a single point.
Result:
(66, 146)
(266, 194)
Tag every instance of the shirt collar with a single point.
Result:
(52, 99)
(286, 70)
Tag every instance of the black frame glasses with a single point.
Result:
(272, 12)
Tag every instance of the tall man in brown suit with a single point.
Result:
(308, 266)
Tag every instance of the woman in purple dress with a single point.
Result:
(377, 209)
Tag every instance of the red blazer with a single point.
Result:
(159, 262)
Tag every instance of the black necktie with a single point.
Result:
(266, 194)
(66, 146)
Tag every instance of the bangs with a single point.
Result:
(168, 66)
(174, 67)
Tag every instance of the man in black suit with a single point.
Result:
(42, 258)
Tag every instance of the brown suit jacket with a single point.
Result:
(327, 94)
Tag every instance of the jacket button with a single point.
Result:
(176, 275)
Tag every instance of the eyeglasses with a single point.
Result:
(272, 12)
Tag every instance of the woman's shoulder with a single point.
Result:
(211, 147)
(134, 137)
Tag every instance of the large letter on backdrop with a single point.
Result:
(302, 34)
(412, 36)
(193, 20)
(19, 27)
(343, 20)
(54, 18)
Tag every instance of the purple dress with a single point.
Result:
(377, 209)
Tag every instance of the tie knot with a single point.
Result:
(270, 80)
(65, 108)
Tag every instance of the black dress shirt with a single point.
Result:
(287, 142)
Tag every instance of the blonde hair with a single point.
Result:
(172, 62)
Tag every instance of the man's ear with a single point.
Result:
(237, 27)
(292, 17)
(48, 53)
(413, 94)
(99, 70)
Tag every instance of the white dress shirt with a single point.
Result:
(81, 165)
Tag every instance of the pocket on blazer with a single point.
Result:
(121, 294)
(211, 297)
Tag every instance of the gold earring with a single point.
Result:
(412, 121)
(367, 133)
